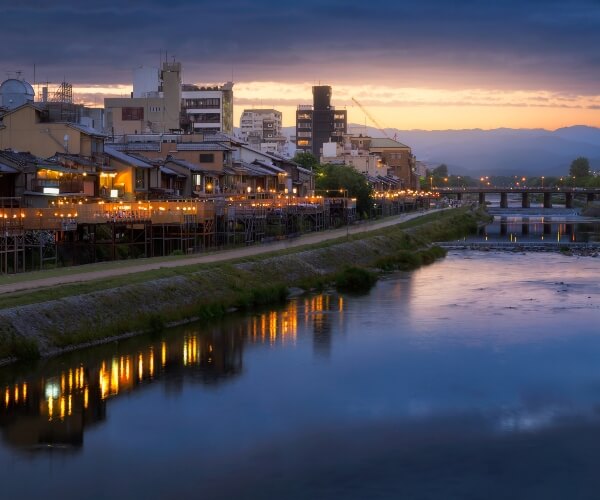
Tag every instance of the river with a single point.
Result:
(475, 377)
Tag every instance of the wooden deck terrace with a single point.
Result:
(66, 216)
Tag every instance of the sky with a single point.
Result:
(429, 65)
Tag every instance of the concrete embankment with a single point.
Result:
(99, 312)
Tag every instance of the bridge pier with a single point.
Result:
(591, 197)
(525, 202)
(525, 226)
(459, 196)
(547, 228)
(503, 200)
(568, 200)
(547, 200)
(482, 198)
(503, 226)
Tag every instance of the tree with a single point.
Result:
(306, 160)
(333, 178)
(580, 168)
(441, 171)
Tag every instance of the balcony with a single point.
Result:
(57, 186)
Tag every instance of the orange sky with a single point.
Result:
(411, 108)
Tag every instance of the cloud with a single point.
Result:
(507, 45)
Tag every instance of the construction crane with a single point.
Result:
(368, 115)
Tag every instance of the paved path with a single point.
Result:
(218, 256)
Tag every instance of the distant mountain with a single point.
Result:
(500, 151)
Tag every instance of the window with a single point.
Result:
(205, 103)
(303, 142)
(304, 134)
(154, 109)
(132, 114)
(207, 157)
(140, 179)
(206, 118)
(196, 182)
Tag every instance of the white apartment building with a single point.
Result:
(261, 128)
(207, 109)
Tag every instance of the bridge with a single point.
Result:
(569, 194)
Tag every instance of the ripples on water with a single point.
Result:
(476, 377)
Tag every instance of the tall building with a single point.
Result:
(150, 108)
(207, 109)
(319, 123)
(262, 128)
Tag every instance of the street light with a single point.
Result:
(542, 182)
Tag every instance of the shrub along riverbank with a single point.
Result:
(49, 321)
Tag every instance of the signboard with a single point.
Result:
(68, 225)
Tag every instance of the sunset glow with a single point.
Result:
(410, 107)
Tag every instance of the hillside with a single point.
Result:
(500, 151)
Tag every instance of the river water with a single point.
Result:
(475, 377)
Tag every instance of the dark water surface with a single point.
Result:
(477, 377)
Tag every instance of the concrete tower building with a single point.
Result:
(319, 123)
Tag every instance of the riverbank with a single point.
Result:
(565, 248)
(69, 316)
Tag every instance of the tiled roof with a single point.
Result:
(7, 169)
(125, 158)
(192, 167)
(270, 167)
(135, 146)
(381, 142)
(201, 146)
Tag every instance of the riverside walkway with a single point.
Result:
(38, 280)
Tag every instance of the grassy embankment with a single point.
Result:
(49, 320)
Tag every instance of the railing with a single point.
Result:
(63, 186)
(66, 216)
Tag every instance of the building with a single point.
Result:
(161, 104)
(261, 128)
(14, 93)
(29, 128)
(207, 109)
(397, 157)
(319, 123)
(147, 111)
(363, 161)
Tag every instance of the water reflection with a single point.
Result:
(543, 229)
(55, 404)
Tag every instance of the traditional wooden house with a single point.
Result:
(130, 178)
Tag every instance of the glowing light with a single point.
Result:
(140, 367)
